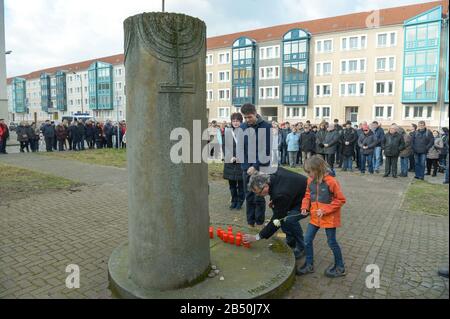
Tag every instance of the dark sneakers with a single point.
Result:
(334, 272)
(305, 269)
(443, 272)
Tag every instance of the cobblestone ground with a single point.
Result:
(42, 235)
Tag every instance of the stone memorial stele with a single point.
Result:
(165, 57)
(169, 253)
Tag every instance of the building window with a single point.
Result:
(224, 76)
(209, 77)
(322, 112)
(386, 39)
(209, 95)
(352, 89)
(269, 72)
(384, 87)
(224, 112)
(323, 68)
(224, 58)
(353, 66)
(270, 92)
(224, 94)
(323, 90)
(296, 112)
(418, 112)
(210, 59)
(354, 42)
(324, 46)
(272, 52)
(383, 112)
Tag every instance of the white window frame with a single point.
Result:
(210, 59)
(321, 91)
(386, 66)
(388, 39)
(226, 95)
(208, 93)
(358, 83)
(227, 112)
(358, 66)
(322, 46)
(385, 112)
(263, 52)
(386, 87)
(227, 76)
(411, 112)
(359, 47)
(264, 96)
(288, 112)
(321, 108)
(265, 77)
(208, 74)
(321, 63)
(227, 57)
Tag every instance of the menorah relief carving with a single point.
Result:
(172, 38)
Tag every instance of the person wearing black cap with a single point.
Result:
(349, 138)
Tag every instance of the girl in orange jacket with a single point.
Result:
(323, 200)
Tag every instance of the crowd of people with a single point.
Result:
(365, 147)
(65, 136)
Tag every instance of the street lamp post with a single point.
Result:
(118, 124)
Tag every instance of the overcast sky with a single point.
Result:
(47, 33)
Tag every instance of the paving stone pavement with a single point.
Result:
(43, 234)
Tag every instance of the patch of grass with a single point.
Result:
(427, 198)
(17, 183)
(105, 157)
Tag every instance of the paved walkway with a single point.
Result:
(43, 234)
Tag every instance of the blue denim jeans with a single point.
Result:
(369, 160)
(347, 162)
(255, 205)
(294, 232)
(332, 243)
(404, 165)
(420, 163)
(377, 158)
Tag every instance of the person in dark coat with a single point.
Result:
(81, 135)
(74, 134)
(90, 134)
(254, 126)
(283, 145)
(338, 154)
(393, 143)
(99, 136)
(308, 142)
(232, 170)
(55, 142)
(23, 136)
(108, 131)
(330, 144)
(61, 136)
(422, 141)
(49, 134)
(367, 143)
(405, 153)
(349, 138)
(286, 190)
(320, 138)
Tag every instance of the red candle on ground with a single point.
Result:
(238, 240)
(247, 245)
(219, 232)
(231, 239)
(230, 229)
(225, 237)
(211, 232)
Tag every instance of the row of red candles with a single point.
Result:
(228, 237)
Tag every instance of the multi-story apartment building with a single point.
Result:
(390, 65)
